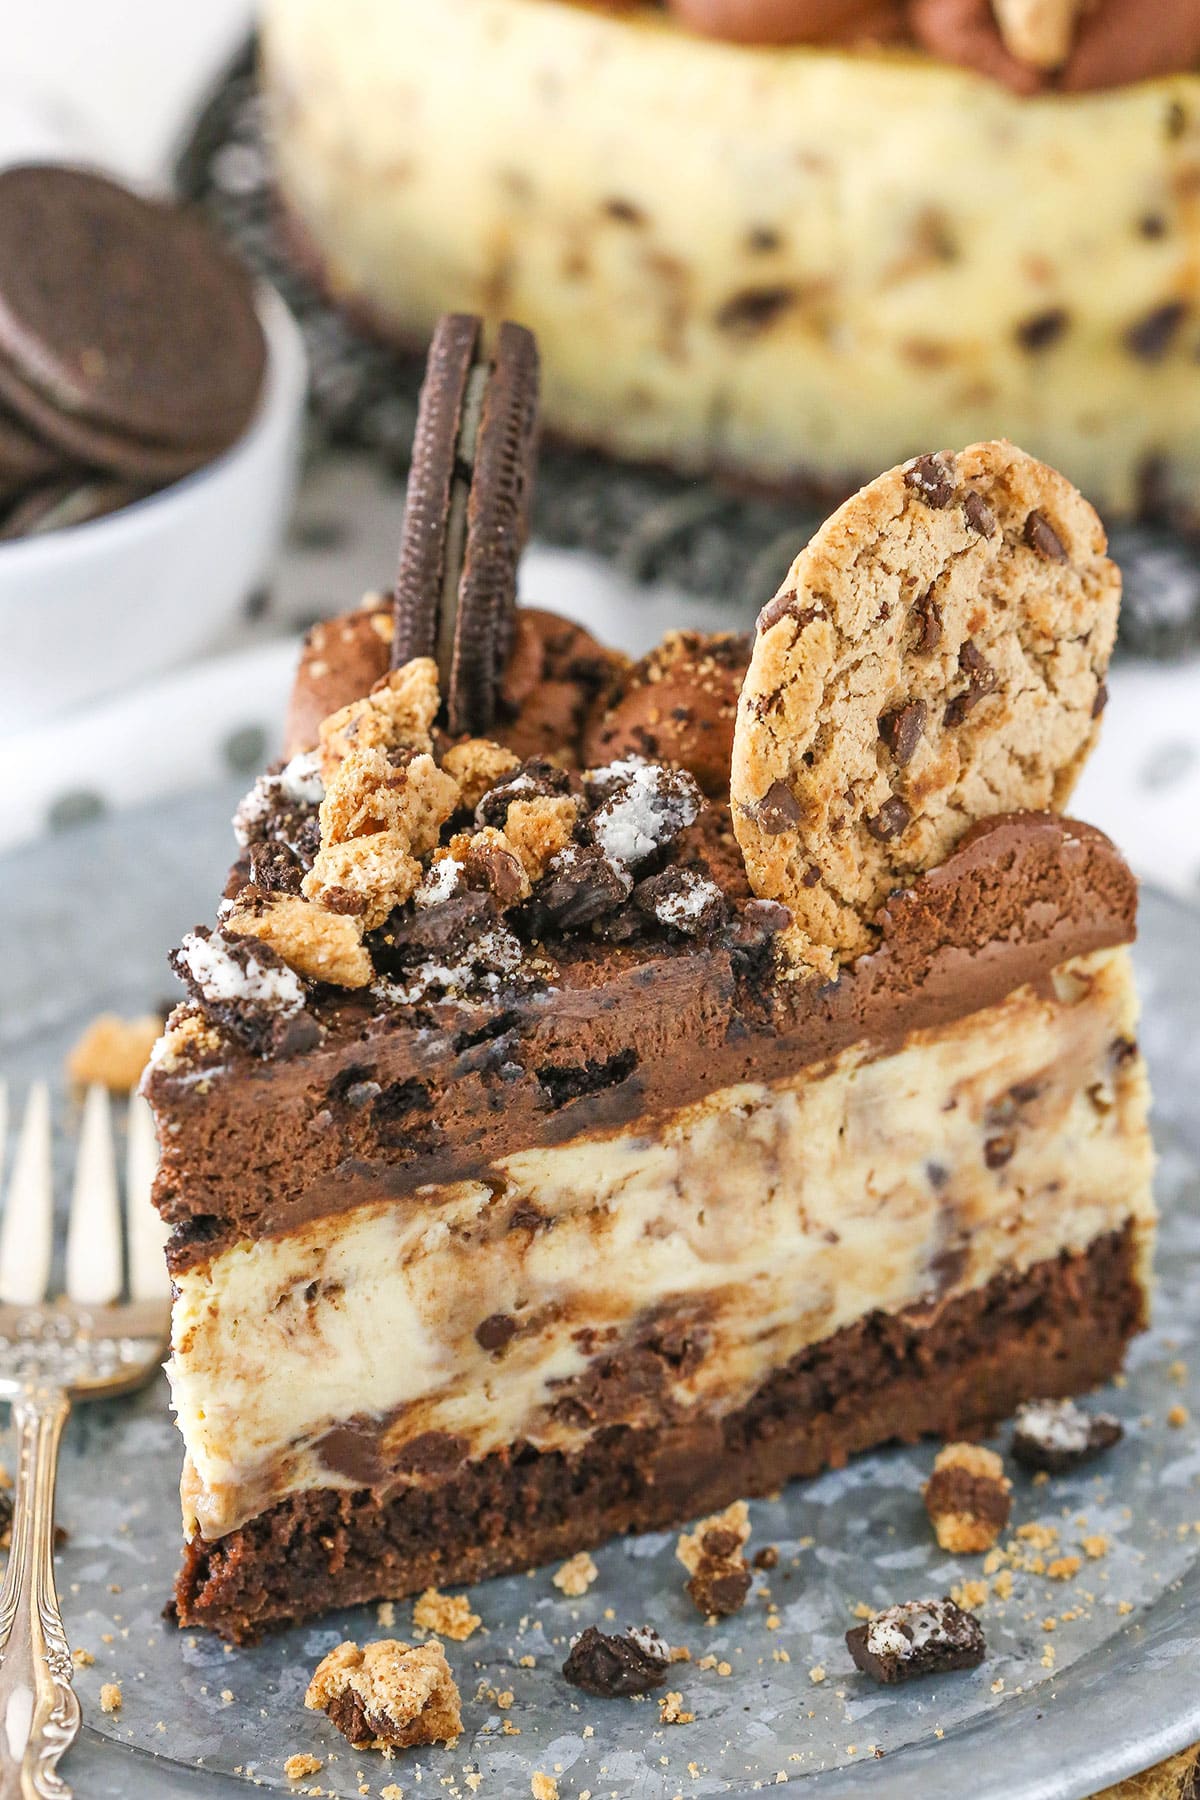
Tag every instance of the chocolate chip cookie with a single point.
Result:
(935, 656)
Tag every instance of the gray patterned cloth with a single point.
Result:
(655, 526)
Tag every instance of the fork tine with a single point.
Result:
(27, 1233)
(146, 1230)
(94, 1231)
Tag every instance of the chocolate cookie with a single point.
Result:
(467, 513)
(78, 441)
(123, 315)
(935, 656)
(69, 500)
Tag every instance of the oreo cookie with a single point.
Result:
(467, 513)
(24, 458)
(68, 500)
(128, 337)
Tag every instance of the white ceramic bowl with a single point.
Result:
(91, 608)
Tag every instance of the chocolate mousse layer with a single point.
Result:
(385, 1100)
(947, 1368)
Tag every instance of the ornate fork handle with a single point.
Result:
(39, 1709)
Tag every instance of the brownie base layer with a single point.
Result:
(1058, 1329)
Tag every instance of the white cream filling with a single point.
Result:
(771, 1215)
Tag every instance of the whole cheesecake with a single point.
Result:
(789, 263)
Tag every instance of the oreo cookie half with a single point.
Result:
(467, 513)
(123, 318)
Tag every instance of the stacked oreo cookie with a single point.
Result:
(130, 348)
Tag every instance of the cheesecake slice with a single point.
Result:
(561, 1197)
(789, 263)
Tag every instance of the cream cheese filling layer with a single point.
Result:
(754, 1223)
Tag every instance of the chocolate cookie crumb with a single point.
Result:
(968, 1498)
(719, 1575)
(914, 1638)
(1057, 1435)
(632, 1662)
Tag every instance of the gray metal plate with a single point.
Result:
(85, 920)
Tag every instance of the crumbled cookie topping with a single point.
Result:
(388, 860)
(968, 1498)
(324, 946)
(388, 1695)
(397, 713)
(477, 765)
(718, 1573)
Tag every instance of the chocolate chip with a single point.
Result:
(763, 238)
(778, 810)
(625, 212)
(932, 478)
(776, 609)
(496, 1331)
(978, 514)
(1041, 536)
(581, 885)
(1150, 338)
(917, 1637)
(682, 900)
(997, 1151)
(490, 866)
(438, 933)
(767, 1557)
(1101, 700)
(753, 309)
(811, 876)
(1056, 1435)
(343, 900)
(892, 818)
(901, 730)
(927, 617)
(1041, 329)
(983, 681)
(617, 1666)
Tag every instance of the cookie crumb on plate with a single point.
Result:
(389, 1695)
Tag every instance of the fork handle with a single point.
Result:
(39, 1709)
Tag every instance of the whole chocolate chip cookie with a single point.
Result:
(935, 656)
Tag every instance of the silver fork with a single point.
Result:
(88, 1345)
